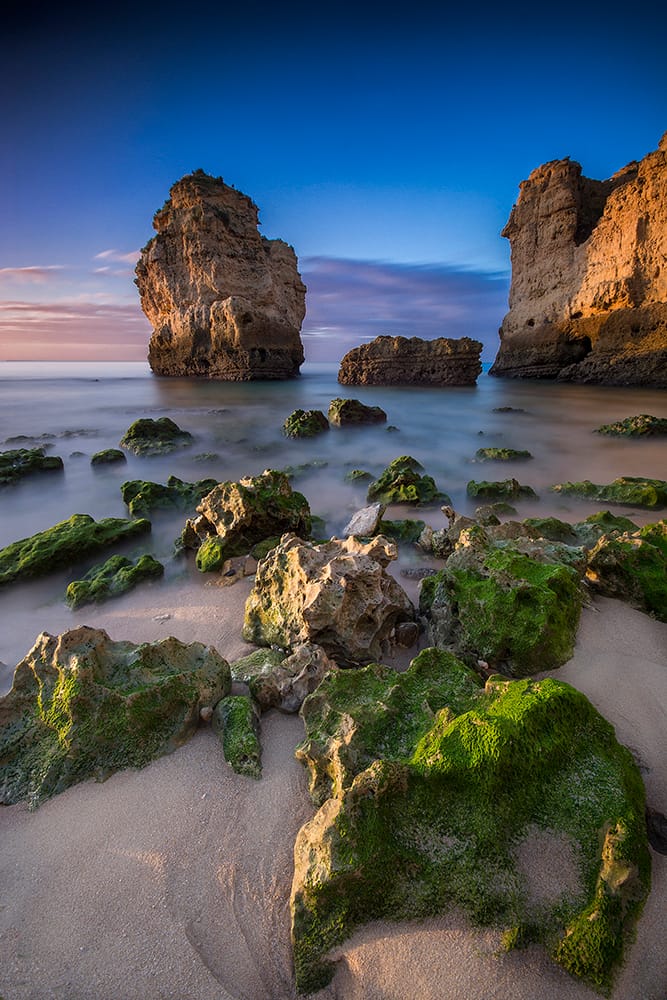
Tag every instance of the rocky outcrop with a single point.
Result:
(224, 302)
(588, 301)
(280, 681)
(412, 361)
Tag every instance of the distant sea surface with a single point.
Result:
(76, 409)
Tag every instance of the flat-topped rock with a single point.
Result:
(412, 361)
(224, 302)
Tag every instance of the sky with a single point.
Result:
(385, 144)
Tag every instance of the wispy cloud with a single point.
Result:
(119, 256)
(73, 330)
(36, 274)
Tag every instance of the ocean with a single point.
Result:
(76, 409)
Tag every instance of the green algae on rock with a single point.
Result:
(500, 454)
(155, 437)
(66, 543)
(357, 476)
(642, 425)
(82, 706)
(350, 412)
(305, 423)
(632, 566)
(405, 531)
(20, 462)
(426, 783)
(629, 491)
(142, 497)
(505, 489)
(236, 723)
(109, 456)
(111, 579)
(402, 482)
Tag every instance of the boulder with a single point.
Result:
(155, 437)
(588, 300)
(337, 594)
(281, 681)
(82, 706)
(111, 579)
(349, 412)
(66, 543)
(412, 361)
(643, 425)
(236, 723)
(505, 489)
(402, 482)
(141, 497)
(365, 522)
(305, 423)
(109, 456)
(630, 491)
(20, 462)
(632, 566)
(224, 302)
(235, 516)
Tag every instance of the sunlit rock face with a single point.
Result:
(224, 302)
(588, 301)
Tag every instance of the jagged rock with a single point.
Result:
(508, 489)
(349, 412)
(588, 300)
(281, 681)
(629, 491)
(65, 543)
(141, 497)
(402, 482)
(223, 301)
(425, 781)
(234, 517)
(412, 361)
(20, 462)
(155, 437)
(336, 594)
(365, 522)
(83, 706)
(111, 579)
(643, 425)
(305, 423)
(633, 567)
(236, 723)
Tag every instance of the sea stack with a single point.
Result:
(224, 302)
(412, 361)
(588, 300)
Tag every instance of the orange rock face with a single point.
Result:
(223, 301)
(588, 301)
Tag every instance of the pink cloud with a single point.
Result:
(118, 256)
(34, 275)
(71, 331)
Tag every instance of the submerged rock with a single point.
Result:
(350, 412)
(643, 425)
(500, 454)
(224, 302)
(630, 491)
(412, 361)
(155, 437)
(82, 706)
(109, 456)
(141, 497)
(402, 482)
(111, 579)
(337, 594)
(64, 544)
(426, 783)
(237, 725)
(505, 489)
(305, 423)
(20, 462)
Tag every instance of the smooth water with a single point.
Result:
(76, 409)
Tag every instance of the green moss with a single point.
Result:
(64, 544)
(500, 454)
(110, 456)
(607, 522)
(405, 531)
(345, 412)
(259, 661)
(20, 462)
(633, 567)
(154, 437)
(357, 476)
(553, 529)
(261, 549)
(142, 497)
(211, 555)
(506, 489)
(305, 423)
(110, 579)
(401, 482)
(235, 721)
(643, 425)
(630, 491)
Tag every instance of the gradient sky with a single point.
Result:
(386, 145)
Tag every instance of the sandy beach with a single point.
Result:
(172, 883)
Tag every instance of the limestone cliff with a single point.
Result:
(412, 361)
(588, 301)
(224, 302)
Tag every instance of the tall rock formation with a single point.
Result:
(224, 302)
(412, 361)
(588, 301)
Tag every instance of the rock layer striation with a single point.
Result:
(412, 361)
(224, 302)
(588, 300)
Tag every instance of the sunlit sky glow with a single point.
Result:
(386, 147)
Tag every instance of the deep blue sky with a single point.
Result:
(385, 145)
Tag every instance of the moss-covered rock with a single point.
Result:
(405, 531)
(630, 491)
(432, 782)
(501, 454)
(305, 423)
(64, 544)
(505, 489)
(346, 412)
(280, 680)
(83, 706)
(490, 513)
(20, 462)
(237, 725)
(155, 437)
(402, 482)
(642, 425)
(633, 567)
(552, 528)
(110, 579)
(357, 476)
(235, 516)
(141, 497)
(109, 456)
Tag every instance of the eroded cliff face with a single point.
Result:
(588, 300)
(412, 361)
(224, 302)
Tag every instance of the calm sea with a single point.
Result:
(76, 409)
